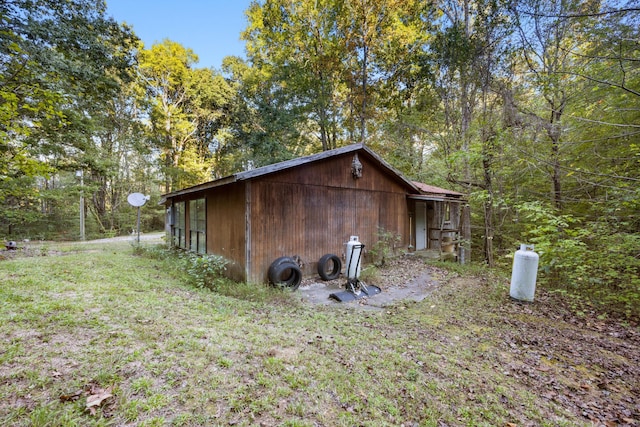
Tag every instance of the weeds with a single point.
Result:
(201, 271)
(385, 247)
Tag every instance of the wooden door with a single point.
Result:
(421, 226)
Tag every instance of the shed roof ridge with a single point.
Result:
(287, 164)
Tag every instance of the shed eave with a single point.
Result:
(201, 187)
(439, 198)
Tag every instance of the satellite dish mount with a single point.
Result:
(137, 200)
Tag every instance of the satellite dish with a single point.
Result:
(137, 199)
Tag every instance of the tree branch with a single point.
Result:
(583, 15)
(593, 79)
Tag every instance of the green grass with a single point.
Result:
(177, 355)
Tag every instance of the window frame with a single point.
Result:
(179, 226)
(198, 225)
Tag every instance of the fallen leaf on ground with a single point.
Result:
(71, 397)
(97, 396)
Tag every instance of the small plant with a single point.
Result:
(204, 271)
(141, 386)
(154, 252)
(385, 247)
(224, 362)
(369, 274)
(44, 250)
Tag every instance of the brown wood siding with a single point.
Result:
(226, 226)
(312, 210)
(336, 172)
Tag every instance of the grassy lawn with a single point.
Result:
(80, 321)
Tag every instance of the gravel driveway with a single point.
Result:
(148, 237)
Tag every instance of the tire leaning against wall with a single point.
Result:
(286, 275)
(325, 262)
(275, 264)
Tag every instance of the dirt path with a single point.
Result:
(148, 237)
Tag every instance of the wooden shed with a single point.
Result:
(309, 207)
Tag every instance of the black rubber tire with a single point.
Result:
(275, 264)
(326, 261)
(286, 275)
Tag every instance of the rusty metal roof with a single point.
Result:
(430, 189)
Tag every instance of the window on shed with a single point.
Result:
(178, 231)
(198, 226)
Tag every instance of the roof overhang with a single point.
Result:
(438, 198)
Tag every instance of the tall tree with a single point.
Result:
(58, 62)
(467, 54)
(547, 38)
(298, 43)
(334, 58)
(265, 124)
(185, 105)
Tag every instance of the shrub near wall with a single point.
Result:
(201, 271)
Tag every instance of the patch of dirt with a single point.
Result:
(403, 278)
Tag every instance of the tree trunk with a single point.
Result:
(553, 131)
(488, 209)
(363, 113)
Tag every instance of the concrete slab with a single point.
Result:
(315, 291)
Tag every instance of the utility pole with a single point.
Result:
(80, 174)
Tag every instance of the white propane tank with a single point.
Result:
(524, 273)
(353, 256)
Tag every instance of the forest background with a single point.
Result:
(531, 107)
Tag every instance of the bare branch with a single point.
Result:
(583, 15)
(616, 58)
(619, 86)
(605, 123)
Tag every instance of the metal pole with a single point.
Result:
(80, 174)
(138, 224)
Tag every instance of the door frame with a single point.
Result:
(421, 228)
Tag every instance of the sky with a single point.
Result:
(211, 28)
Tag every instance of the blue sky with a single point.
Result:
(211, 28)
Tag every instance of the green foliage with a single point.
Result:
(204, 271)
(185, 107)
(63, 66)
(556, 239)
(208, 272)
(613, 275)
(201, 271)
(385, 247)
(585, 258)
(324, 63)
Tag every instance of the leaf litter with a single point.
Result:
(95, 396)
